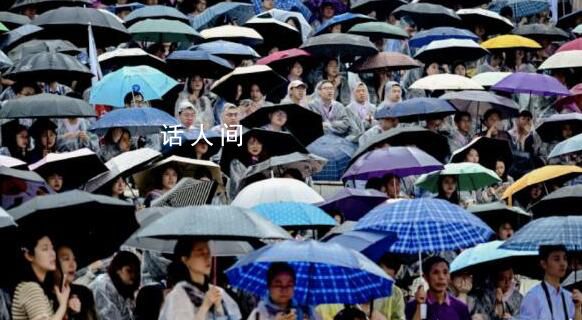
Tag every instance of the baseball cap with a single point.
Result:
(297, 83)
(185, 105)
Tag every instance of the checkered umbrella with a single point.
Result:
(426, 225)
(338, 153)
(566, 231)
(521, 8)
(325, 273)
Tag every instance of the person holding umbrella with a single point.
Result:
(194, 92)
(44, 133)
(448, 189)
(115, 142)
(492, 122)
(168, 177)
(383, 125)
(73, 135)
(16, 143)
(255, 153)
(501, 299)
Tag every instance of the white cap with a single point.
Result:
(297, 83)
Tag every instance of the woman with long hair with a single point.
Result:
(254, 153)
(16, 143)
(448, 189)
(44, 133)
(194, 92)
(167, 179)
(115, 142)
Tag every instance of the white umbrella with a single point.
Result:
(563, 59)
(450, 50)
(489, 79)
(446, 82)
(238, 34)
(276, 190)
(11, 162)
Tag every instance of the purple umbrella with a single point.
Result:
(399, 161)
(353, 203)
(532, 83)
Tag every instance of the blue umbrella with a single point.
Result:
(417, 109)
(139, 121)
(347, 20)
(426, 225)
(487, 254)
(223, 12)
(570, 145)
(521, 8)
(353, 203)
(112, 89)
(337, 151)
(287, 5)
(425, 37)
(372, 244)
(227, 50)
(188, 62)
(325, 273)
(566, 231)
(294, 215)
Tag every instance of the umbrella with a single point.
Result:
(48, 66)
(569, 102)
(564, 231)
(139, 121)
(554, 173)
(228, 50)
(122, 165)
(521, 8)
(426, 140)
(575, 44)
(187, 192)
(425, 37)
(276, 190)
(294, 215)
(303, 123)
(307, 164)
(428, 15)
(19, 35)
(236, 12)
(6, 219)
(280, 59)
(155, 12)
(541, 31)
(162, 30)
(391, 61)
(378, 6)
(567, 146)
(149, 82)
(372, 244)
(417, 109)
(577, 30)
(400, 161)
(284, 16)
(242, 35)
(118, 8)
(72, 24)
(488, 79)
(345, 46)
(497, 213)
(445, 82)
(337, 151)
(510, 41)
(120, 58)
(469, 176)
(563, 60)
(569, 20)
(489, 151)
(261, 75)
(92, 233)
(479, 102)
(18, 186)
(10, 162)
(44, 5)
(275, 33)
(13, 20)
(550, 129)
(324, 273)
(36, 107)
(346, 20)
(5, 62)
(76, 167)
(378, 30)
(486, 256)
(492, 21)
(450, 50)
(562, 202)
(183, 62)
(353, 203)
(37, 46)
(426, 225)
(532, 83)
(571, 282)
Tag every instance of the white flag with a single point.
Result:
(93, 62)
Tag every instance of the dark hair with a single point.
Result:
(176, 272)
(545, 251)
(277, 268)
(247, 156)
(374, 183)
(389, 176)
(325, 66)
(430, 262)
(491, 112)
(130, 96)
(163, 169)
(454, 199)
(506, 11)
(106, 189)
(154, 48)
(294, 173)
(149, 302)
(525, 113)
(505, 172)
(350, 313)
(202, 172)
(460, 115)
(19, 85)
(390, 261)
(338, 213)
(27, 244)
(120, 260)
(37, 129)
(9, 141)
(108, 139)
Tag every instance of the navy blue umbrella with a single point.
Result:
(227, 50)
(417, 109)
(372, 244)
(185, 63)
(221, 13)
(425, 37)
(337, 151)
(347, 20)
(353, 203)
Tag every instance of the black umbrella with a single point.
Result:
(72, 24)
(275, 33)
(450, 50)
(13, 20)
(94, 225)
(381, 7)
(263, 76)
(551, 128)
(490, 20)
(44, 5)
(496, 213)
(155, 12)
(120, 58)
(562, 202)
(48, 66)
(428, 15)
(37, 46)
(539, 31)
(185, 63)
(304, 124)
(490, 150)
(569, 20)
(342, 45)
(19, 35)
(46, 105)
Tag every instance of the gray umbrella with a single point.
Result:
(539, 31)
(5, 219)
(19, 35)
(478, 102)
(5, 62)
(46, 105)
(37, 46)
(343, 45)
(44, 5)
(48, 66)
(13, 20)
(307, 164)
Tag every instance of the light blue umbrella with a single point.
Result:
(227, 11)
(150, 82)
(487, 254)
(569, 145)
(566, 231)
(325, 273)
(294, 215)
(139, 121)
(227, 50)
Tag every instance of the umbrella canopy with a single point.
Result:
(541, 31)
(492, 21)
(155, 12)
(450, 50)
(426, 225)
(97, 233)
(400, 161)
(521, 8)
(275, 33)
(11, 39)
(187, 192)
(346, 20)
(550, 129)
(5, 62)
(567, 102)
(36, 107)
(120, 58)
(425, 37)
(510, 41)
(13, 20)
(488, 79)
(295, 215)
(242, 35)
(345, 46)
(562, 202)
(281, 59)
(282, 15)
(303, 123)
(488, 255)
(10, 162)
(112, 89)
(353, 203)
(575, 44)
(445, 82)
(372, 244)
(37, 46)
(44, 5)
(555, 173)
(489, 151)
(495, 214)
(569, 20)
(48, 66)
(477, 103)
(227, 50)
(566, 231)
(18, 186)
(72, 24)
(469, 176)
(139, 121)
(213, 223)
(569, 145)
(307, 164)
(391, 61)
(183, 62)
(417, 109)
(428, 15)
(563, 60)
(236, 12)
(261, 75)
(338, 152)
(6, 219)
(376, 29)
(573, 280)
(163, 30)
(324, 273)
(379, 6)
(532, 83)
(276, 190)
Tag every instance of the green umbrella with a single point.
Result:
(470, 176)
(162, 30)
(377, 29)
(3, 28)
